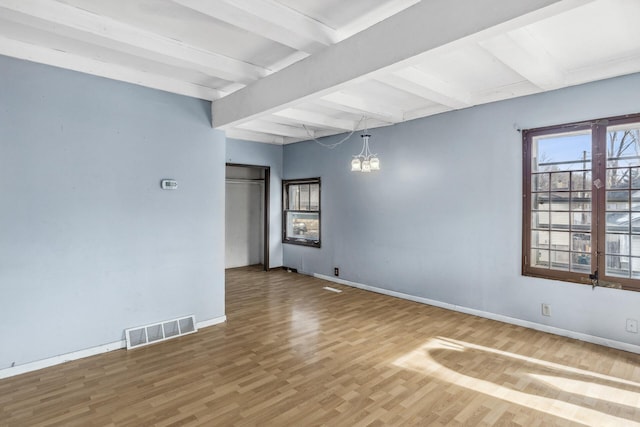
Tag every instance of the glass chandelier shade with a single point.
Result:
(365, 161)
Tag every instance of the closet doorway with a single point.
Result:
(246, 216)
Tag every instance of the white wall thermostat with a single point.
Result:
(169, 184)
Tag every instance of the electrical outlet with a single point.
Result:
(632, 326)
(336, 271)
(546, 310)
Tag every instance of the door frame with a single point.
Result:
(266, 200)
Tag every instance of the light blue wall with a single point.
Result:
(442, 219)
(89, 243)
(258, 154)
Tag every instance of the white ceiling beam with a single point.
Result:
(69, 20)
(438, 90)
(426, 111)
(230, 88)
(373, 16)
(508, 91)
(290, 19)
(57, 58)
(296, 34)
(606, 70)
(345, 109)
(277, 129)
(254, 136)
(281, 120)
(397, 42)
(520, 51)
(314, 129)
(288, 60)
(405, 85)
(316, 119)
(353, 104)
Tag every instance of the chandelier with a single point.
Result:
(365, 161)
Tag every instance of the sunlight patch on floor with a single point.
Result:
(423, 360)
(592, 390)
(544, 363)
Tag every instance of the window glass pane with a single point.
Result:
(618, 178)
(539, 258)
(314, 203)
(540, 239)
(635, 223)
(635, 268)
(558, 155)
(560, 181)
(559, 260)
(304, 197)
(559, 220)
(635, 177)
(581, 221)
(540, 182)
(581, 263)
(635, 200)
(294, 199)
(560, 240)
(635, 245)
(617, 200)
(563, 152)
(581, 201)
(303, 226)
(581, 180)
(581, 242)
(560, 201)
(617, 222)
(617, 266)
(540, 201)
(540, 220)
(623, 147)
(617, 244)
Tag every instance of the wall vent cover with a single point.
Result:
(161, 331)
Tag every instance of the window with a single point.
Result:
(581, 213)
(301, 212)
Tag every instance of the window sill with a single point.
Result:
(583, 280)
(302, 242)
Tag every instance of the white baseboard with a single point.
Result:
(56, 360)
(488, 315)
(211, 322)
(105, 348)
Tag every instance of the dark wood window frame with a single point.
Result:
(596, 271)
(286, 210)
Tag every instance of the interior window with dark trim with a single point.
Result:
(301, 212)
(581, 212)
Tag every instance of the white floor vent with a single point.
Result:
(162, 331)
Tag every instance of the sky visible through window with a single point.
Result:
(563, 148)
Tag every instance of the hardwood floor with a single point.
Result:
(294, 354)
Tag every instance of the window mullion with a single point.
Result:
(526, 203)
(599, 170)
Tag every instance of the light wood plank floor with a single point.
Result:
(294, 354)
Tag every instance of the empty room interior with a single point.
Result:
(319, 212)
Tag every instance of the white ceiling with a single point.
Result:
(282, 71)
